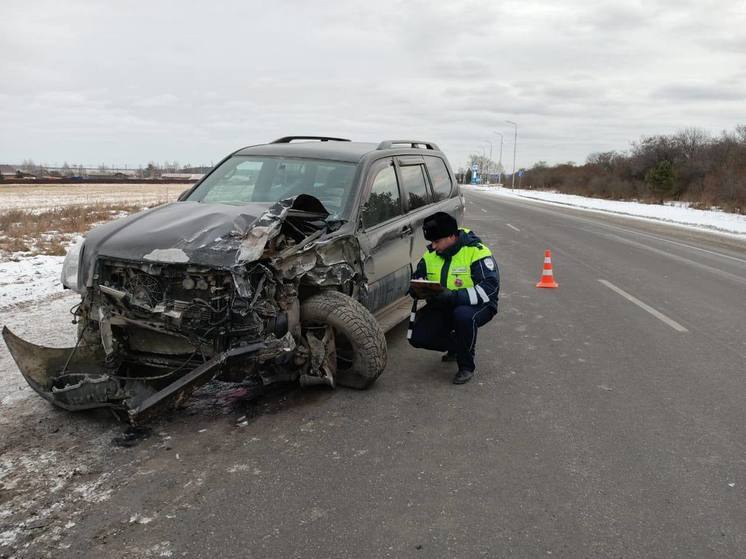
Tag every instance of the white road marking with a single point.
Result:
(513, 227)
(485, 211)
(671, 255)
(660, 316)
(720, 254)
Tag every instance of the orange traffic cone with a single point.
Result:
(547, 277)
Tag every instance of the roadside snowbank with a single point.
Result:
(677, 213)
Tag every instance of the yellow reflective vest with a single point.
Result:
(455, 272)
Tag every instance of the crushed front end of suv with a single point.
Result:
(260, 273)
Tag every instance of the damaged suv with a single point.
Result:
(287, 262)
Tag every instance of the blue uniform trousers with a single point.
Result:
(451, 329)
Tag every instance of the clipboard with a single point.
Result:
(424, 288)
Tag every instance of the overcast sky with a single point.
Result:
(128, 82)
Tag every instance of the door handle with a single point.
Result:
(406, 230)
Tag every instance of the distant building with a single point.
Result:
(8, 171)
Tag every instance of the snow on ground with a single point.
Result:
(33, 305)
(46, 322)
(47, 197)
(29, 278)
(677, 213)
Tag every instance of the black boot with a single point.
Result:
(448, 357)
(463, 376)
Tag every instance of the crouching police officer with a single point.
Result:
(465, 268)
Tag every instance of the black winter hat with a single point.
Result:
(439, 225)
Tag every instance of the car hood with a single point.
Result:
(196, 233)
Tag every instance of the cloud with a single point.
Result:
(192, 81)
(695, 92)
(155, 101)
(616, 18)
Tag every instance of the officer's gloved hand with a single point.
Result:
(444, 298)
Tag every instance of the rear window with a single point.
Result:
(440, 177)
(413, 179)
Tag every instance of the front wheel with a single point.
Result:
(359, 342)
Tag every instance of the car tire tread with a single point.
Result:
(353, 320)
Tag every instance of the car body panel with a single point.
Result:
(207, 234)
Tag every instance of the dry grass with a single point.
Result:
(13, 245)
(70, 219)
(48, 232)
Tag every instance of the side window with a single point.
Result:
(413, 179)
(384, 202)
(440, 178)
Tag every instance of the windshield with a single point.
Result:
(242, 179)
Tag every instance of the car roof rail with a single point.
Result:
(288, 139)
(415, 144)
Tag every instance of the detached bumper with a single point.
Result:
(44, 368)
(78, 378)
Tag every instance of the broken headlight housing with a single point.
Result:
(71, 265)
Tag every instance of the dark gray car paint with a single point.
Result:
(208, 234)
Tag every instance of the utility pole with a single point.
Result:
(500, 162)
(515, 143)
(489, 163)
(481, 165)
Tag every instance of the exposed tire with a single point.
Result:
(356, 329)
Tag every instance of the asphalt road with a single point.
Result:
(607, 419)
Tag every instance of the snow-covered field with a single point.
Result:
(26, 278)
(676, 213)
(46, 197)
